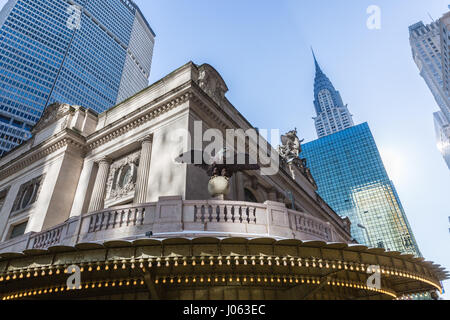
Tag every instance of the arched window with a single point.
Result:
(249, 196)
(27, 194)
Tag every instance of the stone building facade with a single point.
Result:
(79, 162)
(88, 186)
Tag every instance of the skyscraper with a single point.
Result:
(443, 135)
(352, 179)
(429, 44)
(332, 114)
(93, 53)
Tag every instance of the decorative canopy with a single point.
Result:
(287, 269)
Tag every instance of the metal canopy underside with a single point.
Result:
(258, 268)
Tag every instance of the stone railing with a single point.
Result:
(116, 218)
(312, 225)
(171, 217)
(225, 213)
(48, 238)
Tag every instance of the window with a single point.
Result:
(28, 194)
(18, 230)
(249, 196)
(3, 195)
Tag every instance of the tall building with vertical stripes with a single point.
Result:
(431, 53)
(94, 53)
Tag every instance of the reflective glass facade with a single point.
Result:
(442, 127)
(352, 179)
(94, 53)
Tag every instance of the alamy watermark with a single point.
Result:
(74, 20)
(74, 281)
(242, 147)
(374, 281)
(374, 20)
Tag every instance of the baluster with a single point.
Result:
(128, 216)
(90, 223)
(108, 220)
(46, 239)
(142, 216)
(135, 215)
(97, 220)
(227, 213)
(195, 213)
(122, 217)
(202, 216)
(116, 214)
(242, 211)
(217, 213)
(222, 212)
(247, 215)
(210, 213)
(103, 221)
(94, 223)
(52, 237)
(254, 215)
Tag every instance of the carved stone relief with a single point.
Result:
(51, 114)
(121, 183)
(211, 82)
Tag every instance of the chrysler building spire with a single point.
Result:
(332, 114)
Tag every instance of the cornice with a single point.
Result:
(137, 119)
(65, 138)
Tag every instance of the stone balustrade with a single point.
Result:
(171, 217)
(48, 238)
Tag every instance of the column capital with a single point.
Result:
(146, 139)
(105, 160)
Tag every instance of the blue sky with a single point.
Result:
(262, 50)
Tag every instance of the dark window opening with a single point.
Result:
(18, 230)
(249, 196)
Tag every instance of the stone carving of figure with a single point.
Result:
(291, 148)
(212, 84)
(290, 151)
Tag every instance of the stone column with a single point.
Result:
(98, 194)
(143, 171)
(240, 186)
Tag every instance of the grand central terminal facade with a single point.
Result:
(102, 195)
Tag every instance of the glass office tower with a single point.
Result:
(352, 179)
(94, 53)
(442, 127)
